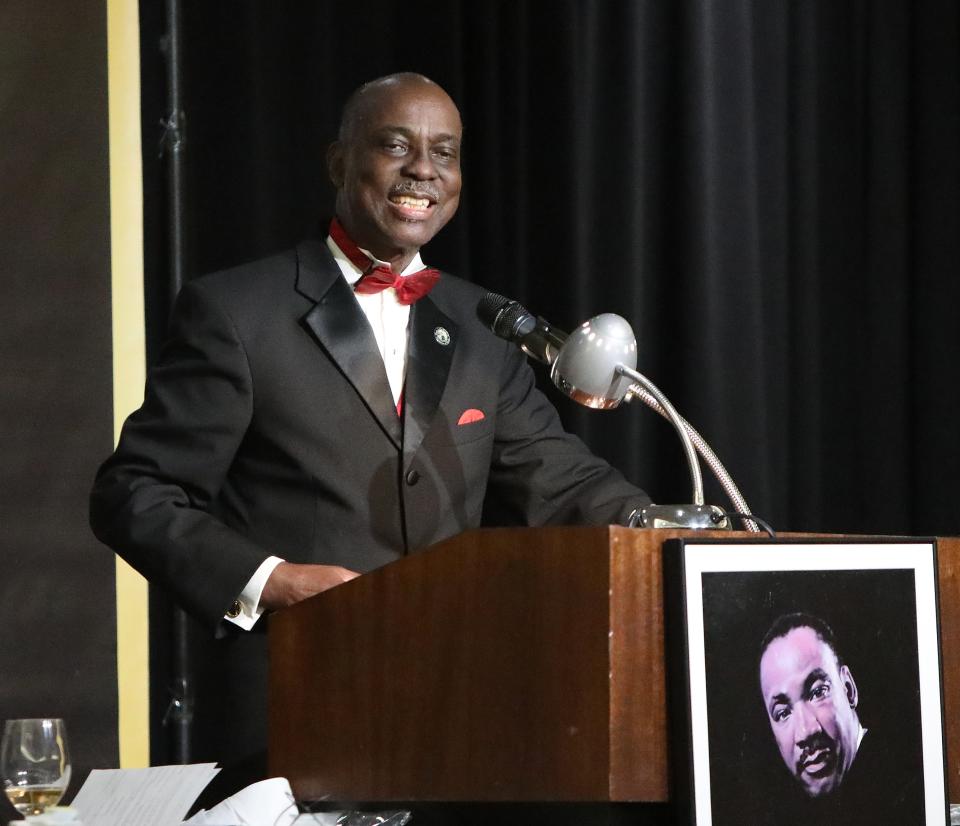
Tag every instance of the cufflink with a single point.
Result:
(234, 610)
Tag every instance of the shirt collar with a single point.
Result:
(352, 274)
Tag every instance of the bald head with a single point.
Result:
(367, 98)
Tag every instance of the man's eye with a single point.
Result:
(780, 713)
(820, 691)
(445, 154)
(395, 147)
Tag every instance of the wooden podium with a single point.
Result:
(501, 665)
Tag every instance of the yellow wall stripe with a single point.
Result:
(129, 354)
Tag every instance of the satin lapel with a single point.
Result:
(340, 326)
(433, 339)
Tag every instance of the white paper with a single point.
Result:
(157, 796)
(269, 802)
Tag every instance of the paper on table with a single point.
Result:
(267, 803)
(157, 796)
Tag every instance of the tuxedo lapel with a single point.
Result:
(433, 339)
(339, 325)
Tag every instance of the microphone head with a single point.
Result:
(585, 370)
(489, 307)
(506, 318)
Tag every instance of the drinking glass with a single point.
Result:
(34, 763)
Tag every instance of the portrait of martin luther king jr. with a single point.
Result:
(810, 697)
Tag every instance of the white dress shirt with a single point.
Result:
(388, 319)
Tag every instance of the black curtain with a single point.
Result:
(767, 190)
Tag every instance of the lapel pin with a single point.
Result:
(441, 336)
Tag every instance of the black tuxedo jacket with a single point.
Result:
(268, 427)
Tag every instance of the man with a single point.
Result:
(305, 425)
(811, 699)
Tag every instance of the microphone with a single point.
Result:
(596, 367)
(512, 321)
(584, 373)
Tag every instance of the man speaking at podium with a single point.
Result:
(322, 412)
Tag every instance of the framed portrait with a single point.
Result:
(805, 682)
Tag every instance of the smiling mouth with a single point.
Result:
(421, 202)
(412, 207)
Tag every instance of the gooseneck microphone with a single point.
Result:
(596, 367)
(511, 320)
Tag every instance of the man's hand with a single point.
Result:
(290, 583)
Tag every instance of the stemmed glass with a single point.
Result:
(34, 763)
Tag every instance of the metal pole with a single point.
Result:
(173, 149)
(179, 714)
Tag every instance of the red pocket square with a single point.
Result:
(470, 416)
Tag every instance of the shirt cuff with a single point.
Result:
(246, 609)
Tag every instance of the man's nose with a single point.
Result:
(420, 164)
(806, 724)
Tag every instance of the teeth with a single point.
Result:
(410, 201)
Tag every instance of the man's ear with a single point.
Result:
(335, 165)
(849, 686)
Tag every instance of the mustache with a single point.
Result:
(812, 745)
(417, 189)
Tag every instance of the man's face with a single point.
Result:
(397, 169)
(811, 705)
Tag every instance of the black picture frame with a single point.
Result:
(853, 737)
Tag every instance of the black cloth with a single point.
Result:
(268, 428)
(884, 787)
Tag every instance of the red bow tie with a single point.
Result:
(375, 279)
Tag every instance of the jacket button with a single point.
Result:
(413, 477)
